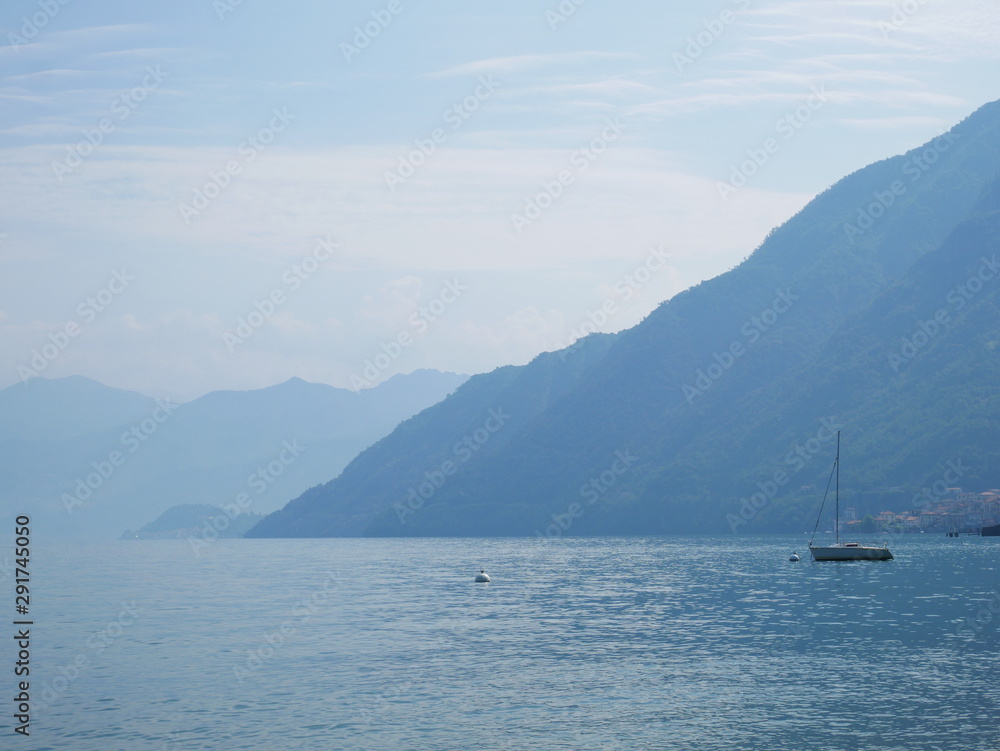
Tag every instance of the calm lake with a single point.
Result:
(644, 643)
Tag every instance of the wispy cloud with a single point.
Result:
(52, 74)
(891, 82)
(97, 34)
(895, 123)
(521, 63)
(148, 53)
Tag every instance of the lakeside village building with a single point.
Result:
(957, 512)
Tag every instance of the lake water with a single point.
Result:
(654, 643)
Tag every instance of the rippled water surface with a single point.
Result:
(655, 643)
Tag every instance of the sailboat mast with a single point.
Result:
(836, 518)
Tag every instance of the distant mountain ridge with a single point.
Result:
(87, 460)
(718, 386)
(59, 409)
(194, 520)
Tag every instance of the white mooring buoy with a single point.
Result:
(794, 557)
(482, 576)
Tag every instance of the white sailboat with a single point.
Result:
(843, 551)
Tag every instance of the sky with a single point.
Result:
(225, 194)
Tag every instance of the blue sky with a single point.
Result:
(551, 160)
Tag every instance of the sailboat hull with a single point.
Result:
(844, 552)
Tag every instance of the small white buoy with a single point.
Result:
(482, 576)
(794, 557)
